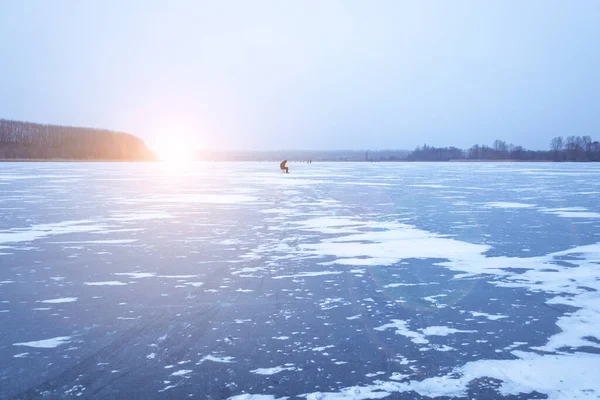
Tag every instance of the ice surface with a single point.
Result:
(285, 285)
(40, 231)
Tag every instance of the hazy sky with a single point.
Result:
(306, 74)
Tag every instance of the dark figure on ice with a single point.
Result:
(283, 167)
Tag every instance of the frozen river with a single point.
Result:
(337, 281)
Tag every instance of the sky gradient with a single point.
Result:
(264, 75)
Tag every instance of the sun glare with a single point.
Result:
(174, 151)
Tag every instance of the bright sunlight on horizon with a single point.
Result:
(174, 149)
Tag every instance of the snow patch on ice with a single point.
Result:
(571, 212)
(61, 300)
(401, 327)
(224, 359)
(308, 274)
(386, 243)
(40, 231)
(442, 331)
(491, 317)
(503, 204)
(274, 370)
(46, 343)
(182, 372)
(136, 275)
(255, 397)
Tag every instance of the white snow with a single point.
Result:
(273, 370)
(571, 212)
(491, 317)
(401, 327)
(182, 372)
(397, 376)
(61, 300)
(212, 358)
(105, 283)
(561, 377)
(442, 331)
(400, 284)
(390, 243)
(502, 204)
(323, 348)
(46, 343)
(107, 241)
(136, 275)
(194, 284)
(40, 231)
(255, 397)
(431, 186)
(308, 274)
(195, 198)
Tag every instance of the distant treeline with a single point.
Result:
(304, 155)
(573, 148)
(26, 140)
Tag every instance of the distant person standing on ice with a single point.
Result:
(283, 167)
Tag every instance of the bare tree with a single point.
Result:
(556, 146)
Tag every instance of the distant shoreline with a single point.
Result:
(65, 160)
(509, 161)
(20, 160)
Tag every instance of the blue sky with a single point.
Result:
(306, 74)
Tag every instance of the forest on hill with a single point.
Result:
(573, 148)
(27, 140)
